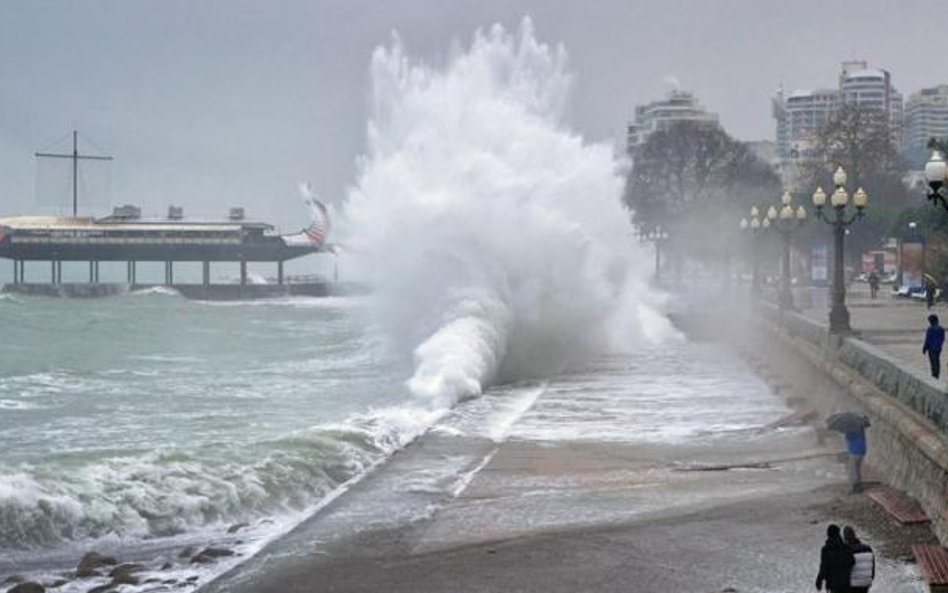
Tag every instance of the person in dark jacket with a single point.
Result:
(836, 563)
(873, 281)
(864, 566)
(934, 339)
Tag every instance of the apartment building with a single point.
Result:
(926, 117)
(678, 106)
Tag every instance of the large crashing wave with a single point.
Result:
(499, 245)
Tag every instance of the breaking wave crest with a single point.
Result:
(169, 492)
(498, 243)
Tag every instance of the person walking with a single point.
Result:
(864, 562)
(929, 293)
(836, 563)
(873, 284)
(934, 339)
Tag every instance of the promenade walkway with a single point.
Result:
(894, 325)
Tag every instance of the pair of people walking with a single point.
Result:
(846, 564)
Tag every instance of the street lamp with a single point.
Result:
(755, 226)
(839, 315)
(786, 222)
(936, 173)
(656, 236)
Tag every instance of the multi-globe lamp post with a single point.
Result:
(657, 236)
(755, 226)
(840, 198)
(787, 221)
(936, 173)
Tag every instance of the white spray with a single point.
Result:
(499, 246)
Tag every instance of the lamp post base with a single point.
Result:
(839, 319)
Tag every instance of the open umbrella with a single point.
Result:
(931, 279)
(847, 422)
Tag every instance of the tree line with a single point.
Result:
(697, 182)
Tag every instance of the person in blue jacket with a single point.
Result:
(856, 447)
(934, 339)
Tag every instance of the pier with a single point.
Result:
(124, 236)
(49, 242)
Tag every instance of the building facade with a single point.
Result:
(926, 117)
(678, 106)
(799, 115)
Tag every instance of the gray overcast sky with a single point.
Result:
(212, 103)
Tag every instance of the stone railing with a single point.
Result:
(908, 410)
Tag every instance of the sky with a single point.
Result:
(216, 103)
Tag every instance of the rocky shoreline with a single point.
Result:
(106, 572)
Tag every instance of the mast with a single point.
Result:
(76, 157)
(75, 173)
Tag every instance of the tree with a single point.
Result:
(862, 141)
(696, 181)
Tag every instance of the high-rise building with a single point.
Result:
(926, 117)
(800, 114)
(678, 106)
(872, 88)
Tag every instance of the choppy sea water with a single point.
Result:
(149, 417)
(148, 422)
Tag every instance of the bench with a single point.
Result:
(899, 506)
(933, 562)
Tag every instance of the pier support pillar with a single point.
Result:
(206, 278)
(243, 273)
(280, 272)
(131, 274)
(52, 272)
(169, 273)
(22, 272)
(16, 271)
(91, 273)
(95, 269)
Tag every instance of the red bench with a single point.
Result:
(933, 562)
(898, 505)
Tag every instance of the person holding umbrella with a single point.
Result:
(934, 339)
(853, 426)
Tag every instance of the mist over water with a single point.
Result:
(498, 243)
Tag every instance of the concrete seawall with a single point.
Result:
(908, 411)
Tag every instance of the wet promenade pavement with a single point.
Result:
(896, 325)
